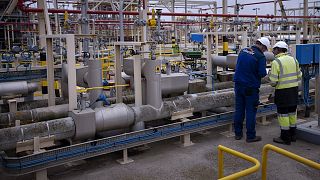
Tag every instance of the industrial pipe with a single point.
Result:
(119, 116)
(35, 115)
(37, 10)
(230, 61)
(95, 80)
(59, 128)
(18, 87)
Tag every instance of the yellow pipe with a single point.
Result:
(220, 162)
(286, 153)
(237, 175)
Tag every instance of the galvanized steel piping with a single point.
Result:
(59, 128)
(17, 87)
(118, 116)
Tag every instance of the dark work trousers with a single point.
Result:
(286, 110)
(247, 101)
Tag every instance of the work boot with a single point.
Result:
(293, 134)
(238, 137)
(284, 138)
(257, 138)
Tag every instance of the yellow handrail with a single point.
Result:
(237, 175)
(291, 155)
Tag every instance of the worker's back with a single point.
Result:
(251, 67)
(285, 71)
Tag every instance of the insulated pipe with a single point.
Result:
(59, 128)
(198, 103)
(119, 116)
(152, 73)
(18, 87)
(35, 115)
(219, 61)
(45, 113)
(95, 80)
(115, 117)
(230, 60)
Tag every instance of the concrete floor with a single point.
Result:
(168, 160)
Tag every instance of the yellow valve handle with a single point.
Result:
(83, 90)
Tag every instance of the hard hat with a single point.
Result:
(281, 44)
(264, 41)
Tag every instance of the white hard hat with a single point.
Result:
(264, 41)
(281, 44)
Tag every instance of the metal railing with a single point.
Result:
(237, 175)
(286, 153)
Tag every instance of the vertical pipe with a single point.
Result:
(85, 29)
(186, 27)
(80, 42)
(12, 33)
(41, 25)
(121, 21)
(118, 74)
(46, 18)
(137, 88)
(95, 80)
(71, 61)
(225, 46)
(55, 5)
(50, 73)
(305, 22)
(5, 37)
(173, 18)
(153, 76)
(275, 7)
(224, 11)
(209, 61)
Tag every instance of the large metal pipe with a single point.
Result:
(18, 87)
(35, 115)
(118, 116)
(95, 80)
(115, 117)
(195, 102)
(59, 128)
(152, 74)
(230, 61)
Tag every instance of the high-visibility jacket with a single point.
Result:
(285, 71)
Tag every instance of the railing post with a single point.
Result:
(284, 153)
(264, 162)
(220, 162)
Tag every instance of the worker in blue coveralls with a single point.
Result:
(250, 68)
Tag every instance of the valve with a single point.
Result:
(152, 22)
(140, 22)
(7, 56)
(86, 55)
(26, 55)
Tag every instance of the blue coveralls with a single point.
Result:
(250, 68)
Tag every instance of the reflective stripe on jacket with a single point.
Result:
(285, 72)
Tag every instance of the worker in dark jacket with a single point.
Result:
(250, 68)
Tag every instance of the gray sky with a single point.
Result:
(264, 8)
